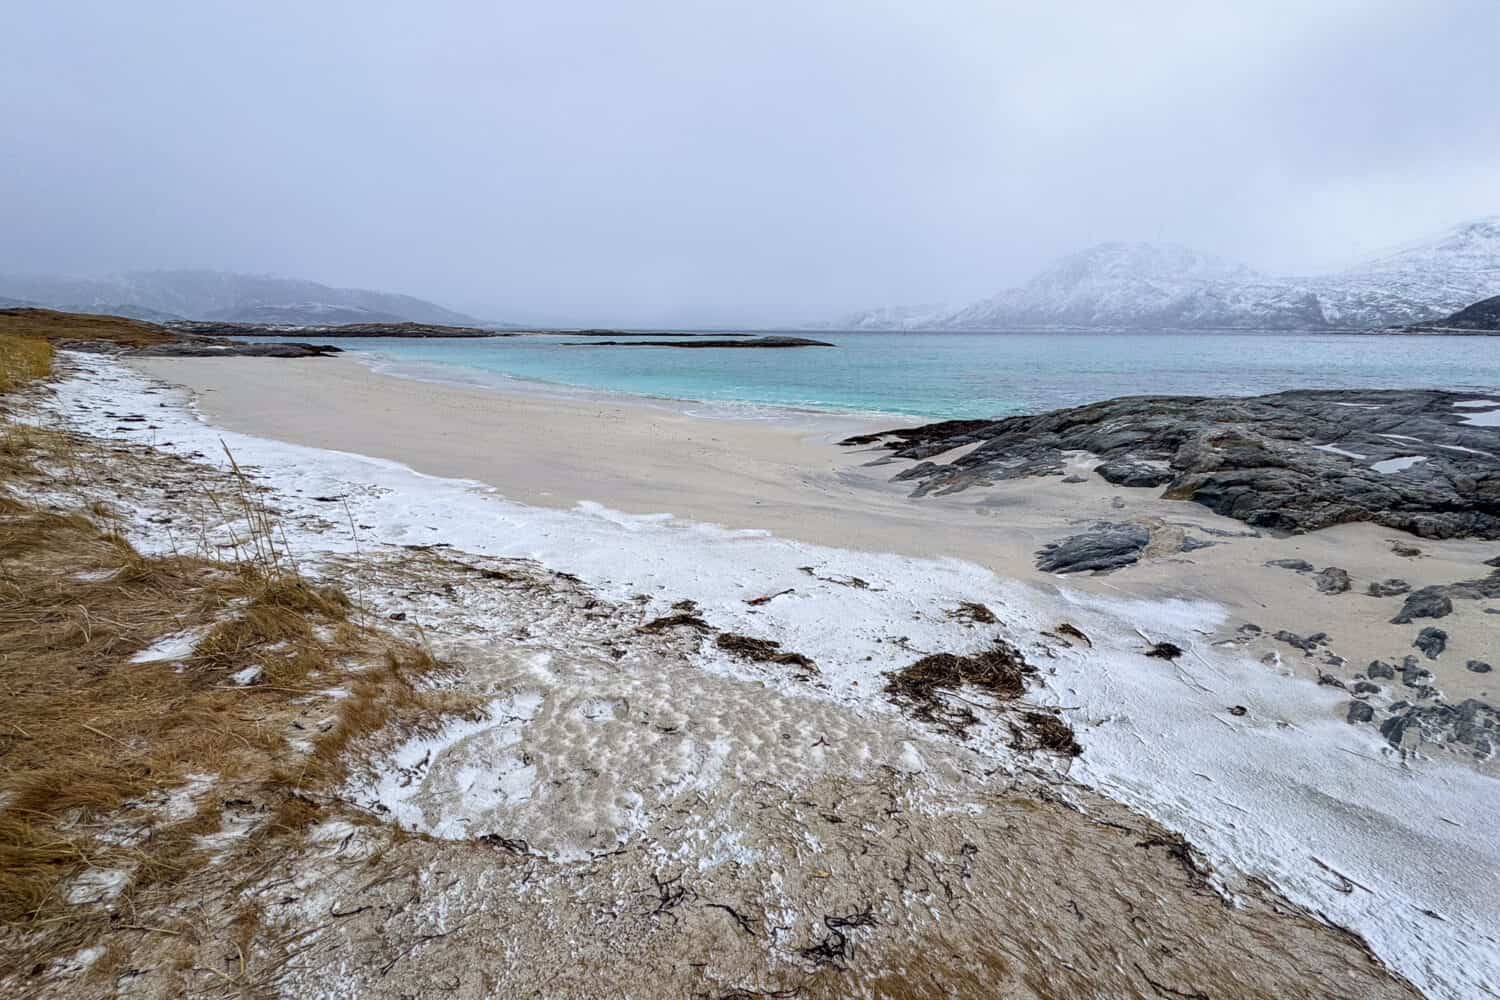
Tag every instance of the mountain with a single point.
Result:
(898, 318)
(1150, 286)
(1481, 317)
(163, 295)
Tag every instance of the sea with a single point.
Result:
(945, 375)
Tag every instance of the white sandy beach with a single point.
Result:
(787, 476)
(1252, 763)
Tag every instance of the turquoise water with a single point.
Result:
(963, 374)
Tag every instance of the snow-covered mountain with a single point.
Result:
(1148, 286)
(218, 295)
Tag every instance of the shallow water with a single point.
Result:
(951, 375)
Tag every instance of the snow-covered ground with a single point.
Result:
(1250, 764)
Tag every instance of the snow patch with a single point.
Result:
(1339, 451)
(1390, 465)
(177, 646)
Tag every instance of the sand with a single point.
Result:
(787, 475)
(1256, 770)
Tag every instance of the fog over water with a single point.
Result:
(656, 163)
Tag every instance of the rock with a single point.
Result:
(1477, 667)
(1333, 580)
(1129, 472)
(704, 342)
(1074, 479)
(1431, 641)
(1494, 561)
(1413, 674)
(1308, 644)
(1238, 711)
(1297, 565)
(1408, 551)
(1194, 544)
(1429, 602)
(1388, 588)
(230, 348)
(1360, 711)
(1394, 729)
(1381, 669)
(1472, 723)
(1104, 547)
(1365, 687)
(1262, 460)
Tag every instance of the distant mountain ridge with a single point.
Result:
(218, 295)
(1154, 286)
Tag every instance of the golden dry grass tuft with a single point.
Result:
(94, 743)
(22, 359)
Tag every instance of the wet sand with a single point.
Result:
(786, 474)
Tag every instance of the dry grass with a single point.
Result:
(50, 325)
(22, 360)
(92, 744)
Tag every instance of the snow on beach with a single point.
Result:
(1400, 851)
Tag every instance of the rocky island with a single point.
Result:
(743, 342)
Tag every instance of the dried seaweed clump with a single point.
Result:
(1041, 731)
(763, 651)
(999, 671)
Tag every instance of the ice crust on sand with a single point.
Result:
(1400, 851)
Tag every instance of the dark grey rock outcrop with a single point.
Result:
(1126, 472)
(1292, 461)
(1105, 546)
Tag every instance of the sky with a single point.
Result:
(652, 163)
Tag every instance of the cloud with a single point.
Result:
(656, 162)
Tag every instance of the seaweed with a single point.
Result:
(999, 671)
(763, 651)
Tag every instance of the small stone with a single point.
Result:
(1296, 565)
(1413, 674)
(1378, 668)
(1394, 728)
(1477, 667)
(1074, 479)
(1431, 641)
(1360, 711)
(1238, 710)
(1366, 687)
(1333, 580)
(1429, 602)
(1194, 544)
(1388, 588)
(1409, 551)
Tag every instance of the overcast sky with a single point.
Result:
(647, 162)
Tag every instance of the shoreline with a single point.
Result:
(1252, 792)
(792, 479)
